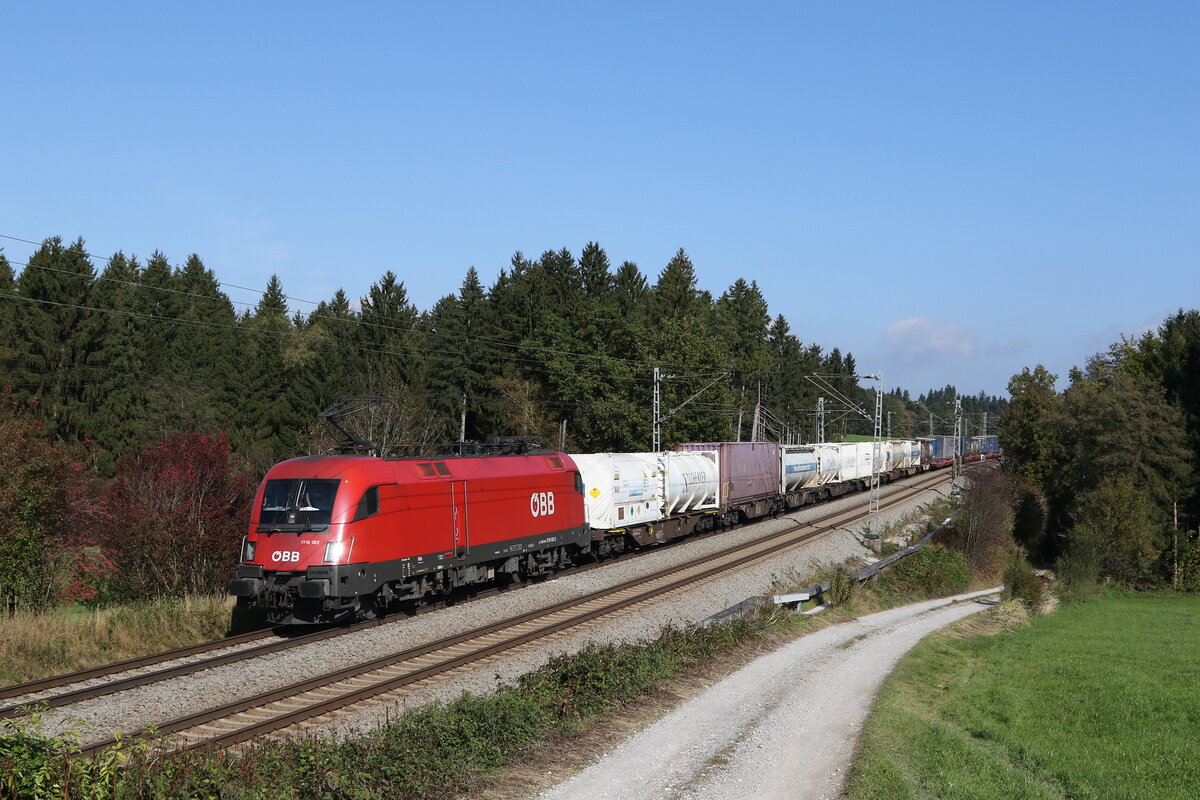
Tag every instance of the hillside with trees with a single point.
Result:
(123, 376)
(1108, 463)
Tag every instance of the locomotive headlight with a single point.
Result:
(334, 552)
(247, 550)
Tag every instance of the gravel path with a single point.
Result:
(131, 710)
(784, 726)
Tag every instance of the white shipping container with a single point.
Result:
(801, 469)
(829, 463)
(621, 489)
(856, 460)
(691, 480)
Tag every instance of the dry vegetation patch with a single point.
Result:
(37, 645)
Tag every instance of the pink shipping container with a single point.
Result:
(748, 470)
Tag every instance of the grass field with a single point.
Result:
(35, 645)
(1100, 700)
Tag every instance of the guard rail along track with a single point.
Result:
(272, 711)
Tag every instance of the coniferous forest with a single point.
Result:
(127, 379)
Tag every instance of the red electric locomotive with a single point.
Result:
(337, 536)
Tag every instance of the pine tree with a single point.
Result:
(742, 325)
(594, 274)
(335, 364)
(56, 327)
(385, 332)
(275, 415)
(10, 348)
(209, 353)
(117, 398)
(675, 295)
(631, 290)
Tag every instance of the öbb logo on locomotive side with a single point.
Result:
(285, 555)
(541, 504)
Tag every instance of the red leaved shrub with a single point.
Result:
(174, 516)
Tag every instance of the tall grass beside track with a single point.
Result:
(38, 644)
(1100, 700)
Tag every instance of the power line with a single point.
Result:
(87, 254)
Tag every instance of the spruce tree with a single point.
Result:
(55, 325)
(117, 397)
(10, 349)
(675, 294)
(385, 333)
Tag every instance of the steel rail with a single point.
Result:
(147, 678)
(750, 551)
(65, 679)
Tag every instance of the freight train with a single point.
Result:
(342, 536)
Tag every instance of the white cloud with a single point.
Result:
(914, 339)
(1011, 347)
(1100, 340)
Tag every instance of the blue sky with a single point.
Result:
(950, 191)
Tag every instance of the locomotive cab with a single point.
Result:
(297, 541)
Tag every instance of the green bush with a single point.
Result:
(932, 570)
(1078, 568)
(1020, 583)
(841, 587)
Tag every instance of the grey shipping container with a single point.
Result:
(749, 470)
(943, 448)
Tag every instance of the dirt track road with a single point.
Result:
(783, 726)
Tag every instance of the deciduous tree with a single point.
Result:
(175, 514)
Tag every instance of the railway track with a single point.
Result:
(62, 690)
(302, 704)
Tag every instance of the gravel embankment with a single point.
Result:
(135, 709)
(783, 727)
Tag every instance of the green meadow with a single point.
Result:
(1099, 700)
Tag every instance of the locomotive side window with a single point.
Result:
(369, 505)
(578, 482)
(298, 501)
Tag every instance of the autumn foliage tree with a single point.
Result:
(174, 516)
(44, 516)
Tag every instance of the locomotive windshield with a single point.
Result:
(297, 503)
